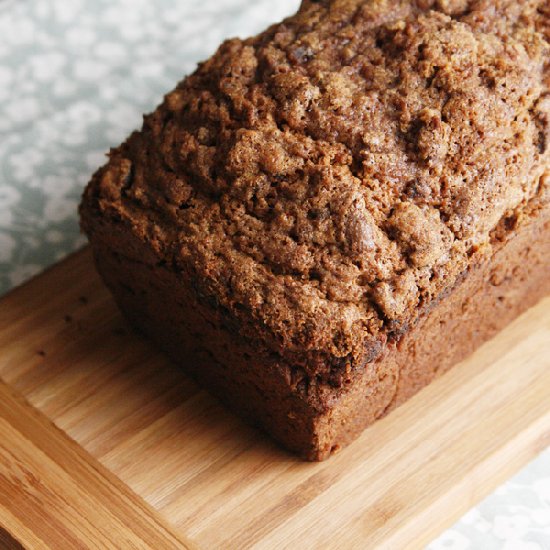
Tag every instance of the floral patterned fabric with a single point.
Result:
(75, 77)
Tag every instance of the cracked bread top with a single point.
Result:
(324, 182)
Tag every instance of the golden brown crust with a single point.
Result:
(324, 182)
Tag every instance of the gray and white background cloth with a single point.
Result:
(75, 77)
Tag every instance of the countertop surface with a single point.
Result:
(74, 80)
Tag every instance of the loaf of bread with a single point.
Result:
(323, 218)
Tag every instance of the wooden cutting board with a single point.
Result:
(105, 444)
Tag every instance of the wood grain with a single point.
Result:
(56, 495)
(221, 484)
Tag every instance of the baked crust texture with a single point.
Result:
(324, 185)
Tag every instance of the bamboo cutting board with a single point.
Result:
(105, 444)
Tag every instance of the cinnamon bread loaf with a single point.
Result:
(324, 217)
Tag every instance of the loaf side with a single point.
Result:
(263, 388)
